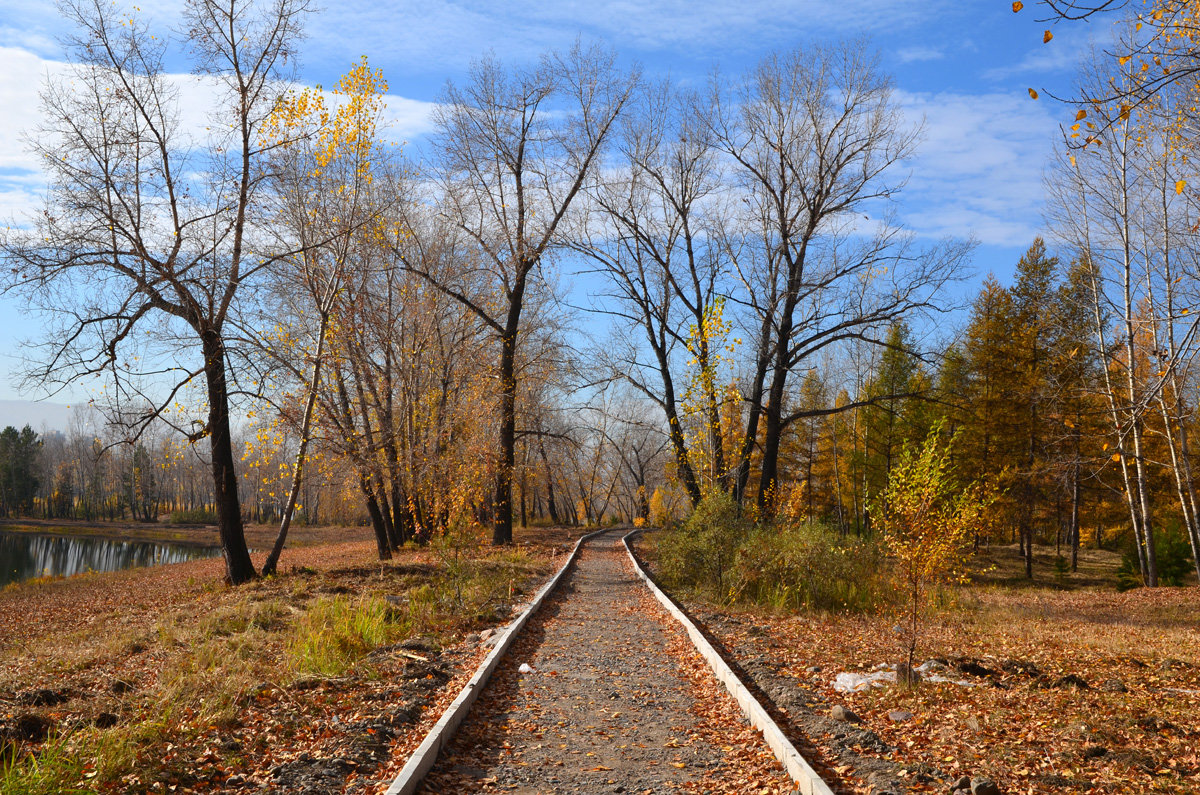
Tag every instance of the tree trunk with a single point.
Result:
(772, 433)
(238, 566)
(1074, 533)
(550, 504)
(674, 429)
(750, 439)
(382, 542)
(298, 472)
(502, 521)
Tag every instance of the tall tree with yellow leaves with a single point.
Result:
(324, 165)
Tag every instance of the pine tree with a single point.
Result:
(887, 420)
(1033, 342)
(990, 416)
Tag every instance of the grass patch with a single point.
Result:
(197, 516)
(52, 770)
(1003, 565)
(335, 633)
(204, 662)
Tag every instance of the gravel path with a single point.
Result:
(618, 701)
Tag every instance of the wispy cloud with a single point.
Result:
(1061, 55)
(28, 40)
(917, 54)
(978, 172)
(446, 34)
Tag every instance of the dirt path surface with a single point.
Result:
(618, 701)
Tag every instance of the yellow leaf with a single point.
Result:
(1124, 59)
(1105, 447)
(1046, 37)
(1081, 115)
(1032, 94)
(1068, 423)
(1180, 185)
(1017, 6)
(1116, 456)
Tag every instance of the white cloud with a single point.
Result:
(917, 54)
(408, 118)
(979, 169)
(22, 73)
(447, 34)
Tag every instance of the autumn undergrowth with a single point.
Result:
(195, 516)
(215, 651)
(784, 565)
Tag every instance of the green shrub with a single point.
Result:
(1172, 554)
(700, 554)
(801, 566)
(721, 555)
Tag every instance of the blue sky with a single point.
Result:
(961, 65)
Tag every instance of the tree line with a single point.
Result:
(396, 325)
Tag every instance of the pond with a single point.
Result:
(24, 556)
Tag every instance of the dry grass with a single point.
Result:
(1003, 565)
(179, 658)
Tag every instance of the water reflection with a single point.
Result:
(26, 555)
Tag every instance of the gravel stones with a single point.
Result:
(612, 708)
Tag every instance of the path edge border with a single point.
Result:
(797, 767)
(423, 758)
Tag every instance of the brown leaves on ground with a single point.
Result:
(1089, 691)
(164, 677)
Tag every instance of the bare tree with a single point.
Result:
(1096, 204)
(813, 135)
(655, 234)
(148, 232)
(516, 147)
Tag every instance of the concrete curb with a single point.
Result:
(423, 759)
(806, 779)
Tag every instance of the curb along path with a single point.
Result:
(618, 701)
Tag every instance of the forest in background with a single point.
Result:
(290, 311)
